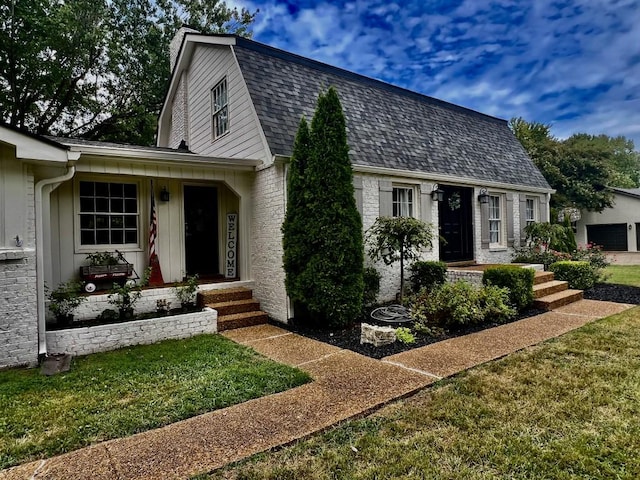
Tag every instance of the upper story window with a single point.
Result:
(220, 109)
(108, 213)
(403, 202)
(495, 220)
(530, 212)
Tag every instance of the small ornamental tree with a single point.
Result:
(393, 239)
(323, 247)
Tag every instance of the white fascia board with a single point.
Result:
(164, 158)
(184, 59)
(31, 149)
(438, 177)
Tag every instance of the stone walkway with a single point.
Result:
(345, 385)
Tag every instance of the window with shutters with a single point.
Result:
(531, 215)
(220, 109)
(496, 220)
(403, 202)
(109, 213)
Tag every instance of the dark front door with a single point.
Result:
(455, 224)
(201, 230)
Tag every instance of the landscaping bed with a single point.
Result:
(350, 338)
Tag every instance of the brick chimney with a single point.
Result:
(176, 43)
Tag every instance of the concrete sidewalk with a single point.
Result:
(345, 385)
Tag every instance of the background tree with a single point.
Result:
(328, 287)
(393, 239)
(96, 68)
(582, 167)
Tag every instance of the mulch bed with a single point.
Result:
(350, 338)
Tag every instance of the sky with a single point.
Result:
(574, 65)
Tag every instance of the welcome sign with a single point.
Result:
(231, 259)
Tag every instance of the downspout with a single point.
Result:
(38, 194)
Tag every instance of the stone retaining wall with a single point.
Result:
(86, 340)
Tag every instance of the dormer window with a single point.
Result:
(220, 109)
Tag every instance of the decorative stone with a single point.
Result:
(377, 336)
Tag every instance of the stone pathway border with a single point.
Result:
(345, 385)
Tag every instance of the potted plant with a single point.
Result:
(187, 291)
(124, 296)
(64, 300)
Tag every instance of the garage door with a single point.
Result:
(612, 237)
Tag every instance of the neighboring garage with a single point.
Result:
(611, 237)
(616, 229)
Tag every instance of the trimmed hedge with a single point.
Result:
(518, 280)
(427, 275)
(580, 275)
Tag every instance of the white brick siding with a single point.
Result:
(18, 314)
(268, 201)
(86, 340)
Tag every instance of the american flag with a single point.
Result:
(155, 279)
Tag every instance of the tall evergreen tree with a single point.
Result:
(328, 290)
(294, 228)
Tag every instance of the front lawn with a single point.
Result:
(568, 408)
(623, 274)
(114, 394)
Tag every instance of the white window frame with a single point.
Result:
(108, 247)
(403, 201)
(531, 212)
(220, 109)
(496, 219)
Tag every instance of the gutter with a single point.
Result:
(38, 194)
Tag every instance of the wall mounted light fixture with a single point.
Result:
(164, 194)
(437, 194)
(483, 197)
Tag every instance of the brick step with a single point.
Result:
(543, 277)
(240, 320)
(559, 299)
(235, 306)
(464, 263)
(224, 295)
(548, 288)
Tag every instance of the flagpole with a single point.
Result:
(155, 277)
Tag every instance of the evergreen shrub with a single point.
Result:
(456, 304)
(518, 280)
(580, 275)
(371, 278)
(427, 274)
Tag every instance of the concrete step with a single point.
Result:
(235, 306)
(240, 320)
(543, 277)
(224, 295)
(548, 288)
(557, 300)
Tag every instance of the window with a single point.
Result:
(220, 109)
(402, 202)
(108, 213)
(530, 212)
(495, 220)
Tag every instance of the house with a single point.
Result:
(616, 228)
(225, 135)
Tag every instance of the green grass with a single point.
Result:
(623, 274)
(567, 409)
(114, 394)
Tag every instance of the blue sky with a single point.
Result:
(572, 64)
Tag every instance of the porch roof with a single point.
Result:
(152, 154)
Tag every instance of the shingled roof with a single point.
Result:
(387, 126)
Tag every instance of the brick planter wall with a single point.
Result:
(86, 340)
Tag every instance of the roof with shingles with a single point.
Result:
(387, 126)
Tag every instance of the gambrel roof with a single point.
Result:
(387, 126)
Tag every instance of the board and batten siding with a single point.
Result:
(209, 65)
(234, 196)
